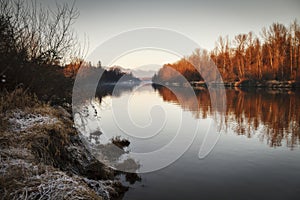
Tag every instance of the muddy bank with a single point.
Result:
(42, 156)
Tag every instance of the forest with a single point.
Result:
(271, 55)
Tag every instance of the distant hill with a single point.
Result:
(143, 72)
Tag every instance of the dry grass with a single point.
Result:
(46, 160)
(20, 179)
(17, 99)
(23, 177)
(25, 105)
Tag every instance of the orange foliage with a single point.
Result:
(275, 56)
(71, 69)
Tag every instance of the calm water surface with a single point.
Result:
(257, 155)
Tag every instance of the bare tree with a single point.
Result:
(240, 42)
(44, 34)
(276, 39)
(296, 48)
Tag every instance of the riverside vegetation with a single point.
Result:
(42, 156)
(41, 153)
(271, 60)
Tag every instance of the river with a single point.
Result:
(256, 155)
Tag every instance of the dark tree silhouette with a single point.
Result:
(45, 35)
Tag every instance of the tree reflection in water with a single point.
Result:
(272, 114)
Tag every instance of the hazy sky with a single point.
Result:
(202, 21)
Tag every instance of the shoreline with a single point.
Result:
(272, 84)
(41, 154)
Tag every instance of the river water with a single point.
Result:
(256, 155)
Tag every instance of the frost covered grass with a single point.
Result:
(19, 99)
(21, 121)
(22, 178)
(25, 180)
(42, 157)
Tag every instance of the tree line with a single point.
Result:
(88, 70)
(273, 55)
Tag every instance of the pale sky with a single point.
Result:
(202, 21)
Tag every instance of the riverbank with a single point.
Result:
(271, 84)
(250, 83)
(42, 156)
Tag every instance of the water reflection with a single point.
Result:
(111, 90)
(111, 151)
(272, 115)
